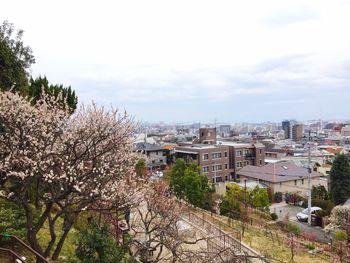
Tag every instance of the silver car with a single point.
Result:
(303, 215)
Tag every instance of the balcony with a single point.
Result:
(250, 156)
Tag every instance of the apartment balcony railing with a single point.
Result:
(250, 156)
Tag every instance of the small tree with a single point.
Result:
(231, 202)
(259, 198)
(187, 183)
(97, 245)
(319, 192)
(141, 168)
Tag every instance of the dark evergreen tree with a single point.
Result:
(67, 94)
(340, 179)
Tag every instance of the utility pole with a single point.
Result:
(309, 182)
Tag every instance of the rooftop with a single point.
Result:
(277, 172)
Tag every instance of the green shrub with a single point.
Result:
(293, 228)
(340, 235)
(310, 246)
(97, 245)
(326, 205)
(274, 216)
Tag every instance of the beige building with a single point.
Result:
(297, 132)
(345, 131)
(283, 177)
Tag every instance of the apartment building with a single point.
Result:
(243, 154)
(220, 162)
(213, 159)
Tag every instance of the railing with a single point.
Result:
(42, 259)
(249, 156)
(12, 254)
(223, 246)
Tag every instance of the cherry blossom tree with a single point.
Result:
(61, 164)
(159, 233)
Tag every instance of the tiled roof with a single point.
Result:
(277, 172)
(144, 146)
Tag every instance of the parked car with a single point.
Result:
(304, 215)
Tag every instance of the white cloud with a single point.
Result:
(136, 52)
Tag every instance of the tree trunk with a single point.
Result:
(53, 236)
(31, 233)
(67, 225)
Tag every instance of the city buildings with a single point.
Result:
(292, 130)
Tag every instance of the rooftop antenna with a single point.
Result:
(215, 123)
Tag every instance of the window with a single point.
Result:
(205, 156)
(239, 164)
(225, 177)
(156, 153)
(205, 169)
(225, 154)
(245, 151)
(226, 166)
(302, 181)
(217, 167)
(260, 162)
(260, 151)
(213, 179)
(216, 155)
(218, 179)
(238, 153)
(295, 182)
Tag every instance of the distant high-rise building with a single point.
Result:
(297, 132)
(287, 129)
(207, 135)
(225, 130)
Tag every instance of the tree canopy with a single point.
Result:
(15, 59)
(187, 183)
(340, 179)
(61, 164)
(65, 94)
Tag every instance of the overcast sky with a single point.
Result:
(183, 61)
